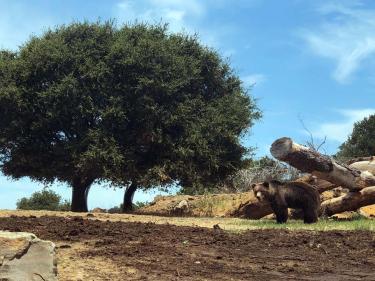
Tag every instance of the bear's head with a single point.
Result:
(264, 191)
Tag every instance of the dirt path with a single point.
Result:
(101, 250)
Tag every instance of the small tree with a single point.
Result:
(361, 142)
(43, 200)
(135, 106)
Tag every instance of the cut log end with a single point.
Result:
(281, 148)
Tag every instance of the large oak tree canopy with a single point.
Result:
(91, 102)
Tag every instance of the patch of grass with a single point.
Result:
(322, 225)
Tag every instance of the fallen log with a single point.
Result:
(349, 202)
(321, 185)
(360, 159)
(364, 166)
(322, 166)
(252, 210)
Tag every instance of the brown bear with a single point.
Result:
(296, 195)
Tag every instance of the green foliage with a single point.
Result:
(139, 204)
(115, 210)
(361, 142)
(64, 206)
(91, 102)
(197, 188)
(43, 200)
(136, 205)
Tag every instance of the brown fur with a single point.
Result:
(296, 195)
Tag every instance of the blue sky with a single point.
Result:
(311, 60)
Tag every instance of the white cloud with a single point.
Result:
(339, 131)
(253, 79)
(177, 13)
(346, 36)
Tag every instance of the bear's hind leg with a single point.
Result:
(310, 215)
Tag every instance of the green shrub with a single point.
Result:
(115, 210)
(64, 206)
(43, 200)
(136, 205)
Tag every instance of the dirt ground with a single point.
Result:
(90, 249)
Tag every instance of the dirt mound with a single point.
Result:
(211, 205)
(242, 205)
(138, 251)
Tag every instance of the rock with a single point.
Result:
(98, 210)
(182, 205)
(181, 208)
(24, 257)
(217, 227)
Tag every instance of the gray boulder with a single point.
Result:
(24, 257)
(182, 208)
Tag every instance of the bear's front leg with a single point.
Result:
(281, 214)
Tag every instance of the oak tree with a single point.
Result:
(135, 106)
(361, 141)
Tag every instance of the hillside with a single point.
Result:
(242, 205)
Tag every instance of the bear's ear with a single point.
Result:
(266, 184)
(252, 186)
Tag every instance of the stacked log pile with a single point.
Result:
(324, 172)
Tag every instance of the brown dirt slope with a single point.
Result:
(243, 205)
(100, 250)
(210, 205)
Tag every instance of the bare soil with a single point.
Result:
(90, 249)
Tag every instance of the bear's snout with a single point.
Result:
(259, 196)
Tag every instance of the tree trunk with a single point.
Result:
(349, 202)
(80, 190)
(321, 185)
(322, 166)
(127, 205)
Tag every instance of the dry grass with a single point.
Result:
(210, 205)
